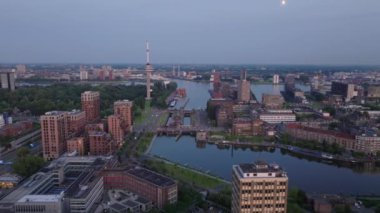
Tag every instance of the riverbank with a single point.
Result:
(185, 174)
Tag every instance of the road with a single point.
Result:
(11, 154)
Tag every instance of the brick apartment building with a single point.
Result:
(271, 101)
(15, 129)
(123, 109)
(91, 105)
(54, 132)
(100, 143)
(247, 127)
(160, 189)
(115, 128)
(77, 144)
(76, 121)
(320, 135)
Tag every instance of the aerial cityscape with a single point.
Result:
(235, 107)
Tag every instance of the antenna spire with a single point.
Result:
(147, 52)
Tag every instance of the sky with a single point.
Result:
(332, 32)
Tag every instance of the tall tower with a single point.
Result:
(244, 88)
(91, 105)
(148, 70)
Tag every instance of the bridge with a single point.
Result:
(191, 130)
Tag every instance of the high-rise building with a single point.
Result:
(7, 80)
(20, 70)
(123, 109)
(54, 132)
(259, 187)
(148, 70)
(276, 79)
(373, 91)
(110, 75)
(347, 91)
(244, 88)
(100, 143)
(91, 105)
(290, 83)
(83, 75)
(115, 129)
(76, 121)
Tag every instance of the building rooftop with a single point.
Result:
(130, 203)
(151, 177)
(90, 92)
(259, 169)
(75, 112)
(117, 206)
(41, 182)
(123, 102)
(320, 131)
(55, 113)
(40, 198)
(97, 133)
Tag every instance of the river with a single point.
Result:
(311, 176)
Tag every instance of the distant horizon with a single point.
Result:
(315, 32)
(187, 64)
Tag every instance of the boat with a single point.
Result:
(327, 156)
(173, 103)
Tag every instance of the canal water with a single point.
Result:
(309, 175)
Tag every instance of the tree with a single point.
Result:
(22, 152)
(330, 110)
(27, 164)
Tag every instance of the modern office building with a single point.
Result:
(54, 132)
(83, 75)
(40, 204)
(259, 187)
(277, 116)
(345, 90)
(160, 189)
(123, 109)
(276, 79)
(91, 105)
(68, 184)
(115, 129)
(7, 81)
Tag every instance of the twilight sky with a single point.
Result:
(190, 31)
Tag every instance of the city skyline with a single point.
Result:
(253, 32)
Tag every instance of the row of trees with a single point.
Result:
(66, 97)
(160, 93)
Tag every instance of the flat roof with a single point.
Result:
(118, 206)
(130, 203)
(261, 167)
(40, 198)
(152, 177)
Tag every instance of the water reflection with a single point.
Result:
(306, 173)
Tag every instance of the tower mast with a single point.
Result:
(148, 70)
